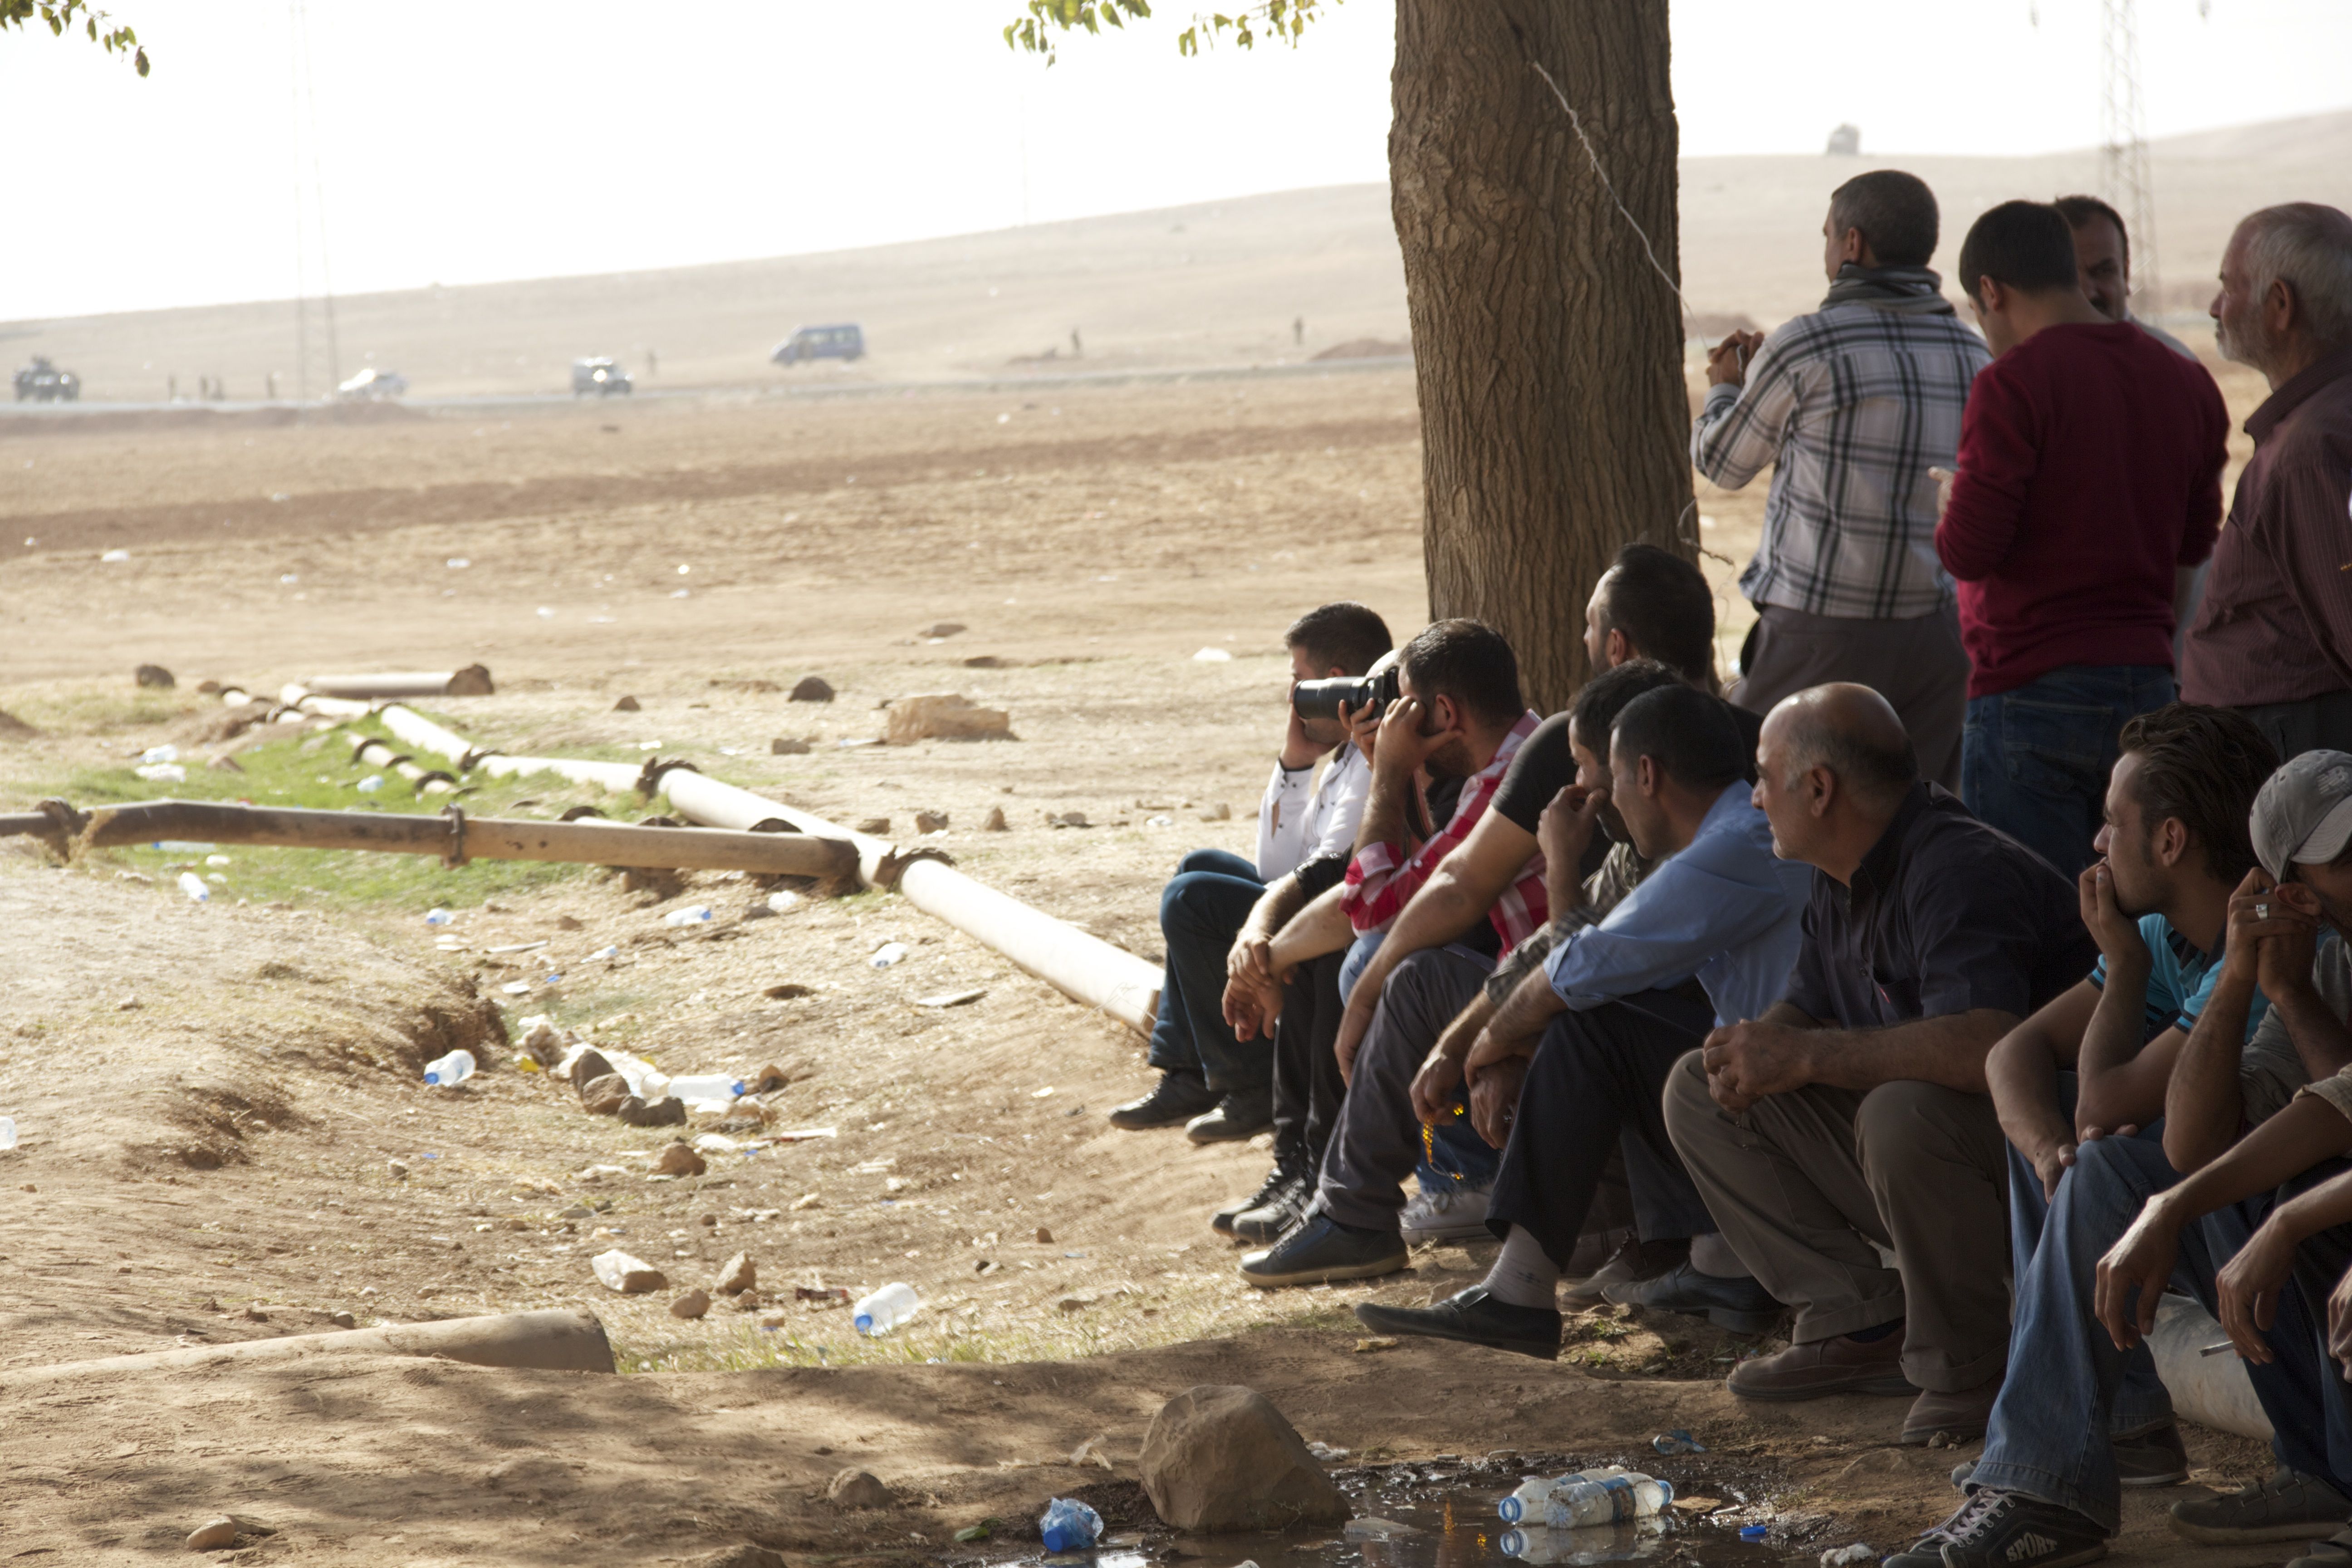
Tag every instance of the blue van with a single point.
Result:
(841, 341)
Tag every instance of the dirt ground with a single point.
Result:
(223, 1130)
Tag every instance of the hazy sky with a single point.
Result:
(465, 142)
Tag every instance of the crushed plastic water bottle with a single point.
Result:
(886, 1309)
(194, 886)
(162, 772)
(1070, 1525)
(439, 917)
(1611, 1496)
(160, 754)
(606, 952)
(370, 785)
(781, 899)
(446, 1072)
(889, 954)
(7, 1133)
(183, 846)
(694, 915)
(707, 1087)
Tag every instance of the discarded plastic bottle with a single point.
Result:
(889, 954)
(445, 1072)
(194, 886)
(706, 1086)
(1068, 1525)
(694, 915)
(370, 785)
(1526, 1505)
(439, 917)
(7, 1133)
(1616, 1500)
(886, 1309)
(160, 754)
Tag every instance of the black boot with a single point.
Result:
(1177, 1099)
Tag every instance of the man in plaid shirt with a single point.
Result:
(1852, 406)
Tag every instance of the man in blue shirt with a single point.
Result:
(1572, 1063)
(2098, 1060)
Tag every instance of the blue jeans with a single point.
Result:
(2034, 761)
(1200, 911)
(2048, 1437)
(1455, 1154)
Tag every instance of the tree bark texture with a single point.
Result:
(1549, 354)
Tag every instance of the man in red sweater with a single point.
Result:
(2089, 489)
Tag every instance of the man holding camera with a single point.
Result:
(1220, 1088)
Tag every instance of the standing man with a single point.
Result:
(2102, 257)
(1851, 407)
(1851, 1120)
(2089, 489)
(2273, 635)
(1221, 1086)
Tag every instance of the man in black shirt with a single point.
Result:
(1853, 1119)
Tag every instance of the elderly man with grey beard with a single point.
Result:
(2273, 635)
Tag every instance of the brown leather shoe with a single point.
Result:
(1957, 1416)
(1834, 1365)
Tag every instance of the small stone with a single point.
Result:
(126, 1004)
(342, 1320)
(396, 1169)
(812, 689)
(213, 1305)
(994, 821)
(214, 1533)
(224, 764)
(1044, 1237)
(942, 630)
(786, 992)
(631, 1276)
(588, 1067)
(691, 1305)
(874, 825)
(1223, 1457)
(566, 922)
(253, 1314)
(626, 705)
(155, 675)
(807, 1201)
(860, 1489)
(1220, 812)
(787, 746)
(930, 822)
(944, 716)
(668, 1111)
(681, 1160)
(604, 1096)
(737, 1275)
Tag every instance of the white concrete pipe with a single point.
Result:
(2211, 1390)
(473, 681)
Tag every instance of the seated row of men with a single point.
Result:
(1789, 1030)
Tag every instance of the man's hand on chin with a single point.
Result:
(1747, 1061)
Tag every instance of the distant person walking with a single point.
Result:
(1851, 407)
(2273, 635)
(2089, 489)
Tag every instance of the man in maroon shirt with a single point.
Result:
(2089, 489)
(2273, 635)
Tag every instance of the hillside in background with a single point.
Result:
(1217, 284)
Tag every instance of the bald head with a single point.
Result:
(1854, 733)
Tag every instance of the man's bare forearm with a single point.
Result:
(1948, 1050)
(1386, 810)
(2022, 1073)
(1282, 900)
(1528, 1010)
(1321, 927)
(2308, 1130)
(2202, 1107)
(2320, 1037)
(2120, 1077)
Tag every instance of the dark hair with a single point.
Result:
(1686, 732)
(1895, 211)
(1594, 712)
(1470, 662)
(2082, 212)
(2202, 767)
(1662, 605)
(2024, 245)
(1343, 633)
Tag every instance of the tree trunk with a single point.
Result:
(1549, 353)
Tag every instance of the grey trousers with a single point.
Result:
(1918, 665)
(2315, 723)
(1808, 1185)
(1377, 1141)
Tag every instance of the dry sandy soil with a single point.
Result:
(224, 1136)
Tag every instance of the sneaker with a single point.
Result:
(1175, 1100)
(2289, 1506)
(1278, 1182)
(1238, 1118)
(1742, 1306)
(1277, 1218)
(1474, 1316)
(1455, 1212)
(1961, 1415)
(1323, 1250)
(1834, 1365)
(2006, 1530)
(2157, 1458)
(1636, 1261)
(2336, 1552)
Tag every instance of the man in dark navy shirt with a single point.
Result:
(1852, 1121)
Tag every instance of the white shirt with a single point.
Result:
(1296, 823)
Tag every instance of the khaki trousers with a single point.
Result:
(1810, 1185)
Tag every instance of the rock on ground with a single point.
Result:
(668, 1111)
(681, 1160)
(944, 716)
(812, 689)
(860, 1489)
(737, 1275)
(213, 1534)
(604, 1096)
(691, 1305)
(631, 1276)
(1220, 1457)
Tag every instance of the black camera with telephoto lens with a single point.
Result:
(1322, 699)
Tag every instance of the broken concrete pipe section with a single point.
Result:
(553, 1340)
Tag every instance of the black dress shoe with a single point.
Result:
(1322, 1250)
(1474, 1316)
(1740, 1305)
(1177, 1099)
(1279, 1183)
(1239, 1117)
(1277, 1218)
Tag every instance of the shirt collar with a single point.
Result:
(2297, 391)
(1510, 746)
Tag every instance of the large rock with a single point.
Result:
(1220, 1457)
(944, 716)
(854, 1488)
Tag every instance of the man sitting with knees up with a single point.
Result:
(1852, 1117)
(1573, 1063)
(1208, 1079)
